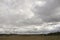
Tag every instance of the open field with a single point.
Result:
(30, 37)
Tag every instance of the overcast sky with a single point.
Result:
(29, 16)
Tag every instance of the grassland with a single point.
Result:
(54, 36)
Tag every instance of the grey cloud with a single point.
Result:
(13, 15)
(26, 16)
(47, 12)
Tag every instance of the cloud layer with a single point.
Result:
(29, 16)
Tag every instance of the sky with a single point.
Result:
(29, 16)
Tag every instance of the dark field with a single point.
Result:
(55, 36)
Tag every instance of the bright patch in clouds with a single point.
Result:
(40, 3)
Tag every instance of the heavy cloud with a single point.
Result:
(29, 16)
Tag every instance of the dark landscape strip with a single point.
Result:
(51, 34)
